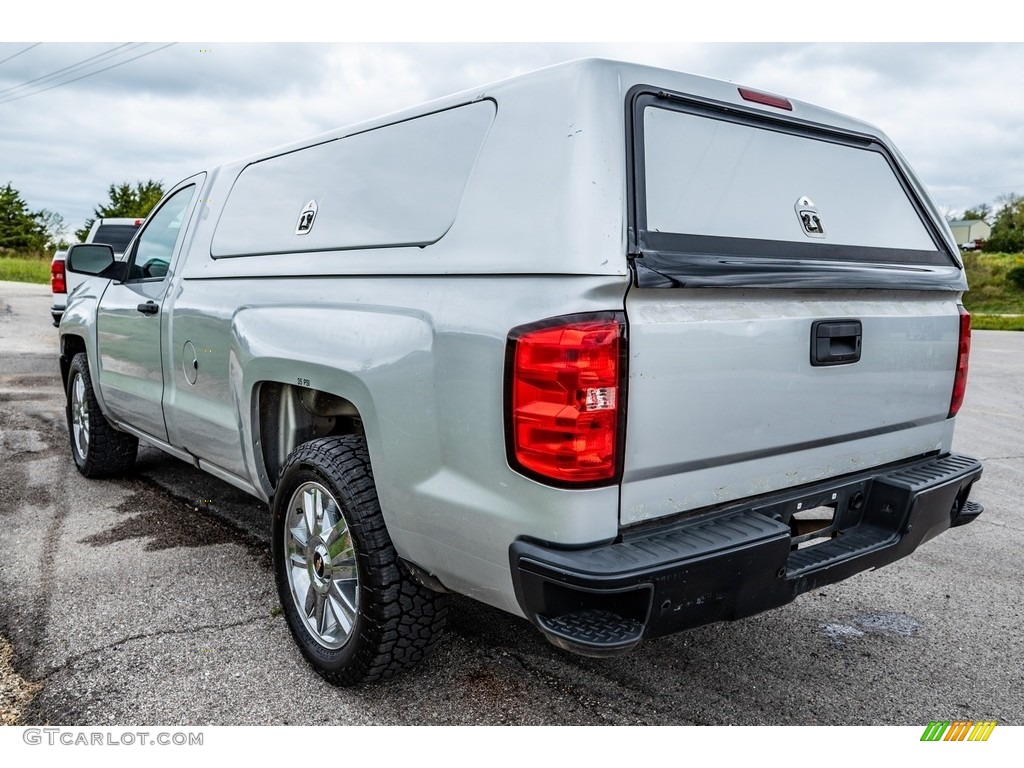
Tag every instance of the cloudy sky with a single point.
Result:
(77, 117)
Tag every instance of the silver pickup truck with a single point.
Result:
(620, 350)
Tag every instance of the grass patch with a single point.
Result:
(16, 693)
(997, 322)
(24, 270)
(991, 292)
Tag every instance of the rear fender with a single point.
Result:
(348, 352)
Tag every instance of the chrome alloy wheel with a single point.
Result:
(80, 417)
(320, 560)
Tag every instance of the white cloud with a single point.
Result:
(953, 109)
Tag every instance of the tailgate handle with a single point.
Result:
(835, 342)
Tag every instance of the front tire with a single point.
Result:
(98, 449)
(356, 613)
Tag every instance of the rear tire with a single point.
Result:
(98, 449)
(356, 613)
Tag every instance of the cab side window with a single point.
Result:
(151, 257)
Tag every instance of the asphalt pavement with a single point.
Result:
(149, 600)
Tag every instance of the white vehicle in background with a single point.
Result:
(116, 233)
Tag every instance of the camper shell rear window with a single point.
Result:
(716, 181)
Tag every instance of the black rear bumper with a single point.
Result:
(737, 561)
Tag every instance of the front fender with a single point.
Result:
(79, 321)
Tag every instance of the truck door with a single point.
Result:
(128, 321)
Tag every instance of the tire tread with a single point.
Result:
(111, 452)
(403, 619)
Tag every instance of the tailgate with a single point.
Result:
(724, 401)
(794, 314)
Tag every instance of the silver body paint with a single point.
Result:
(402, 315)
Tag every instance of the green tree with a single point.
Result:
(1008, 228)
(981, 212)
(127, 202)
(20, 228)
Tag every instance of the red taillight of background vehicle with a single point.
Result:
(963, 353)
(58, 282)
(565, 399)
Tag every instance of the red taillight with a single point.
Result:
(565, 398)
(768, 99)
(57, 278)
(962, 354)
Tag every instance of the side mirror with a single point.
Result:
(95, 259)
(89, 258)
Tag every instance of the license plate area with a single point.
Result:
(812, 526)
(818, 518)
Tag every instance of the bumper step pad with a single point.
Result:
(863, 540)
(970, 511)
(593, 633)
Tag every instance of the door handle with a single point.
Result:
(149, 308)
(835, 342)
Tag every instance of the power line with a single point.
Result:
(71, 67)
(87, 74)
(23, 50)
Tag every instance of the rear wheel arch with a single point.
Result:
(286, 416)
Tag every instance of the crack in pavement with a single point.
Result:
(71, 660)
(997, 524)
(585, 689)
(20, 492)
